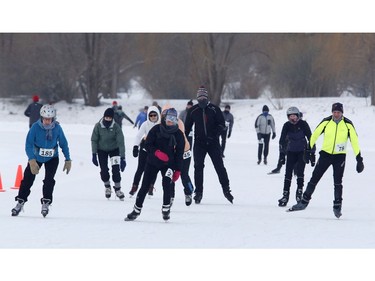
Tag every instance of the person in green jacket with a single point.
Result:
(107, 141)
(337, 129)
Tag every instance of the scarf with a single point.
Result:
(48, 128)
(167, 132)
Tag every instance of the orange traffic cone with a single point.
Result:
(1, 185)
(19, 177)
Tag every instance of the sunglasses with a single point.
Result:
(153, 115)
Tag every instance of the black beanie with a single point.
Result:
(190, 102)
(265, 108)
(109, 112)
(338, 107)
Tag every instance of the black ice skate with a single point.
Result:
(188, 200)
(299, 194)
(337, 209)
(19, 207)
(274, 171)
(284, 200)
(134, 214)
(45, 206)
(300, 206)
(108, 192)
(198, 197)
(165, 211)
(229, 196)
(120, 195)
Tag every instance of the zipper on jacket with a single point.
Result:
(334, 142)
(204, 121)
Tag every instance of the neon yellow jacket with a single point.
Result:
(336, 136)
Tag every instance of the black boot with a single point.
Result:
(301, 205)
(134, 214)
(299, 194)
(165, 211)
(337, 208)
(229, 196)
(45, 206)
(284, 200)
(198, 197)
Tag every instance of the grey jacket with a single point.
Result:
(265, 124)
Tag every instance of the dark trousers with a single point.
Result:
(149, 177)
(103, 163)
(214, 151)
(325, 160)
(48, 182)
(223, 140)
(264, 147)
(142, 158)
(294, 162)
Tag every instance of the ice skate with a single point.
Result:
(133, 190)
(188, 200)
(18, 208)
(120, 195)
(134, 214)
(45, 206)
(198, 197)
(284, 200)
(108, 192)
(229, 196)
(166, 210)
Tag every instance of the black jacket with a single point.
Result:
(209, 123)
(294, 137)
(156, 141)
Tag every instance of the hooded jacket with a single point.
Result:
(146, 126)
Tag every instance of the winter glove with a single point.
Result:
(34, 167)
(282, 158)
(360, 165)
(312, 159)
(176, 176)
(135, 151)
(273, 135)
(95, 159)
(259, 135)
(67, 166)
(122, 164)
(230, 132)
(307, 156)
(161, 155)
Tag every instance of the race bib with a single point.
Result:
(115, 160)
(227, 124)
(169, 173)
(340, 147)
(46, 152)
(187, 154)
(261, 141)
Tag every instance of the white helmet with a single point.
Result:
(293, 110)
(48, 111)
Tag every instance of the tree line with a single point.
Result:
(64, 66)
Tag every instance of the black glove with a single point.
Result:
(230, 132)
(273, 135)
(95, 159)
(360, 165)
(307, 156)
(122, 164)
(282, 158)
(312, 159)
(259, 135)
(135, 151)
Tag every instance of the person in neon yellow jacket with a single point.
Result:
(337, 129)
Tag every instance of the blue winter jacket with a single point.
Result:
(38, 138)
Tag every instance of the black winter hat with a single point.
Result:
(202, 92)
(265, 108)
(109, 112)
(190, 102)
(338, 107)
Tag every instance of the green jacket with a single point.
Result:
(336, 136)
(107, 139)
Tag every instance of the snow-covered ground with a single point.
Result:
(85, 233)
